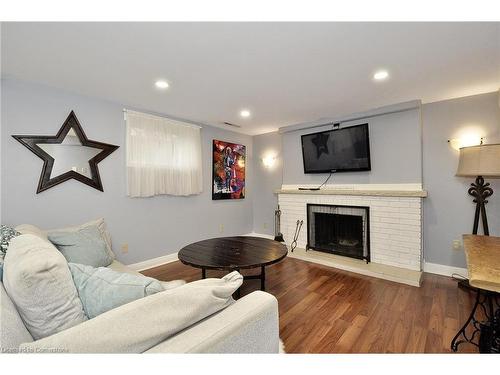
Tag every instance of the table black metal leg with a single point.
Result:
(203, 273)
(485, 334)
(263, 278)
(461, 335)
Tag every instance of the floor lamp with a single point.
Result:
(479, 161)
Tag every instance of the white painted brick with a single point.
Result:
(395, 224)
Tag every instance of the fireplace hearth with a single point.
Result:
(340, 230)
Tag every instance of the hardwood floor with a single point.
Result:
(325, 310)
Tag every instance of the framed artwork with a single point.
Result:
(228, 170)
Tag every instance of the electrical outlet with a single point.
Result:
(221, 228)
(457, 244)
(125, 248)
(265, 225)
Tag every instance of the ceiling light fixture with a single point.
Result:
(245, 113)
(381, 75)
(161, 84)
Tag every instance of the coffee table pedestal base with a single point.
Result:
(261, 277)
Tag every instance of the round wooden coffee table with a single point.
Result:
(234, 254)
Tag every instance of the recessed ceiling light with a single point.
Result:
(245, 113)
(161, 84)
(381, 75)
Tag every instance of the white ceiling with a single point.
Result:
(285, 73)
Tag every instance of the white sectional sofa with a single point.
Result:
(249, 325)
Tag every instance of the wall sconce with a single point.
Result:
(269, 161)
(465, 141)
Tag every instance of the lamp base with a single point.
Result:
(480, 191)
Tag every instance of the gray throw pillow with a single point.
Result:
(102, 289)
(85, 246)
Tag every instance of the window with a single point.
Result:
(163, 156)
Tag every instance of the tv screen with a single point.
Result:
(339, 150)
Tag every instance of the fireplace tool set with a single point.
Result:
(278, 236)
(293, 245)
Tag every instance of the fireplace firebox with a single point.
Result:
(340, 230)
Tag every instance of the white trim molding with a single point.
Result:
(255, 234)
(380, 111)
(441, 269)
(417, 186)
(155, 262)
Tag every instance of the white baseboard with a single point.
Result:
(441, 269)
(155, 262)
(254, 234)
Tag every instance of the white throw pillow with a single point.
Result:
(38, 280)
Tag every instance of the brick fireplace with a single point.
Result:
(393, 221)
(341, 230)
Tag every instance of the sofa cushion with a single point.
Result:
(85, 246)
(12, 330)
(38, 280)
(32, 229)
(138, 326)
(102, 289)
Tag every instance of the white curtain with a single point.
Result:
(163, 156)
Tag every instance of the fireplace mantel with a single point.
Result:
(357, 192)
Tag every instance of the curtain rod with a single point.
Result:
(146, 114)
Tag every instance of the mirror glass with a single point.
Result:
(70, 155)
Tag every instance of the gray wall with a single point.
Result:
(151, 226)
(161, 225)
(395, 148)
(396, 157)
(395, 142)
(267, 181)
(449, 211)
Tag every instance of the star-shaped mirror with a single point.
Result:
(69, 154)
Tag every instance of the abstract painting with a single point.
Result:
(228, 177)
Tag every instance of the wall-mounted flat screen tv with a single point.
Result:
(339, 150)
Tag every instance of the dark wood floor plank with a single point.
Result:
(325, 310)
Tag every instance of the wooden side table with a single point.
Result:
(483, 265)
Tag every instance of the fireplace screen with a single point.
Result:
(341, 230)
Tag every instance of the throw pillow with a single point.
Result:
(102, 289)
(100, 224)
(6, 234)
(38, 281)
(84, 246)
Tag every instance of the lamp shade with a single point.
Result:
(482, 160)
